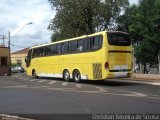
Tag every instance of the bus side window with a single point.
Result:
(95, 42)
(53, 49)
(59, 48)
(48, 50)
(43, 54)
(34, 54)
(72, 46)
(90, 43)
(41, 51)
(80, 46)
(37, 52)
(98, 41)
(65, 47)
(85, 44)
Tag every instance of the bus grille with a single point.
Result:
(97, 71)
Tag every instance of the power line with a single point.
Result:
(17, 46)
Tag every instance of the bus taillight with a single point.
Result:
(106, 65)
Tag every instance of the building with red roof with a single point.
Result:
(18, 57)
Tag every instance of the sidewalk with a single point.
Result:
(146, 77)
(149, 79)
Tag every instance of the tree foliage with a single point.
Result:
(56, 37)
(142, 22)
(79, 17)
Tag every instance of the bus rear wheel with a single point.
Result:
(77, 76)
(66, 75)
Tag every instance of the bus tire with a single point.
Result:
(76, 76)
(34, 74)
(66, 75)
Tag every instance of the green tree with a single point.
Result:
(79, 17)
(56, 37)
(142, 23)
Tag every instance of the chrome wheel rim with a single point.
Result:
(77, 77)
(66, 76)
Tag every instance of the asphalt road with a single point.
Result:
(36, 98)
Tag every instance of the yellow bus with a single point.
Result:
(102, 55)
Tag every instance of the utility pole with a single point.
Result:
(9, 47)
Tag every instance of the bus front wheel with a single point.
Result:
(77, 76)
(34, 74)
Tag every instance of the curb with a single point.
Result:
(149, 79)
(136, 81)
(146, 77)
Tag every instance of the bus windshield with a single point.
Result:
(118, 39)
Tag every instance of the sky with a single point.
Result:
(15, 16)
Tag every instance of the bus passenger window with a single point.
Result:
(95, 43)
(42, 52)
(86, 44)
(72, 46)
(59, 48)
(48, 50)
(54, 49)
(35, 52)
(65, 47)
(80, 46)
